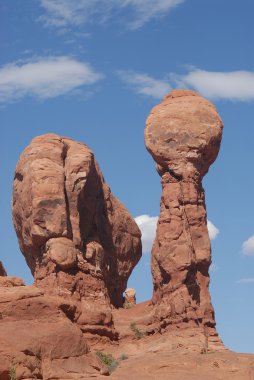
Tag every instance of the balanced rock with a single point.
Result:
(77, 238)
(183, 135)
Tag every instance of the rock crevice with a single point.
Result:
(69, 226)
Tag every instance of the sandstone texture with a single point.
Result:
(75, 235)
(130, 297)
(81, 245)
(176, 354)
(11, 281)
(182, 365)
(38, 339)
(183, 135)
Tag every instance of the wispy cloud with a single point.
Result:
(248, 246)
(147, 225)
(246, 280)
(146, 10)
(212, 230)
(63, 13)
(44, 78)
(233, 86)
(144, 84)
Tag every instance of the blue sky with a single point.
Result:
(92, 70)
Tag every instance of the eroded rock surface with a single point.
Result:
(81, 245)
(38, 340)
(77, 238)
(183, 135)
(11, 281)
(130, 297)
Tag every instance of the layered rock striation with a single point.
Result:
(183, 135)
(37, 340)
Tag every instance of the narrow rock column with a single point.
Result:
(183, 135)
(181, 254)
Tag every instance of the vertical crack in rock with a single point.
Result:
(69, 226)
(183, 135)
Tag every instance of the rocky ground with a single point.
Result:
(182, 365)
(171, 356)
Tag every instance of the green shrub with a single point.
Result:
(108, 360)
(12, 372)
(138, 334)
(127, 305)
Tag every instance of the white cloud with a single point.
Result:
(248, 247)
(44, 78)
(145, 10)
(144, 84)
(212, 230)
(246, 280)
(235, 85)
(62, 13)
(147, 225)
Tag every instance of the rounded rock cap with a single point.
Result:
(183, 133)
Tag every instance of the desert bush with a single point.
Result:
(108, 360)
(12, 372)
(138, 334)
(127, 305)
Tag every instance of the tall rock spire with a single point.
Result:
(183, 135)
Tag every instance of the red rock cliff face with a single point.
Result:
(183, 135)
(77, 238)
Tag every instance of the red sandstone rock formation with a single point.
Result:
(38, 340)
(2, 270)
(183, 135)
(81, 244)
(74, 234)
(11, 281)
(78, 239)
(129, 297)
